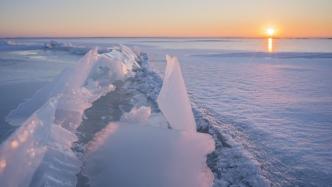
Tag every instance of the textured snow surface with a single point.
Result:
(269, 113)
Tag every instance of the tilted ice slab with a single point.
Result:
(39, 152)
(94, 73)
(135, 152)
(173, 99)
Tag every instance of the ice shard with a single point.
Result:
(173, 99)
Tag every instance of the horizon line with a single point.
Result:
(172, 37)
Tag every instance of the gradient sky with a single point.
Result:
(248, 18)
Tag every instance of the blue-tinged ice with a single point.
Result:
(39, 152)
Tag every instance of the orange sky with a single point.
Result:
(63, 18)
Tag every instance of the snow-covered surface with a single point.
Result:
(269, 113)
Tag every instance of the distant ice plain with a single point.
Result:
(278, 109)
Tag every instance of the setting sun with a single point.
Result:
(270, 31)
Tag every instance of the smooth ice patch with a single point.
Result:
(127, 154)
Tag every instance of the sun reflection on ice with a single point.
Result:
(270, 45)
(270, 32)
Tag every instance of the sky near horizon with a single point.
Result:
(245, 18)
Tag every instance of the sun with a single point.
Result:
(270, 31)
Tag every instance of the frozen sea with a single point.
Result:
(272, 103)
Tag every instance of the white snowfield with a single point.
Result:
(141, 149)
